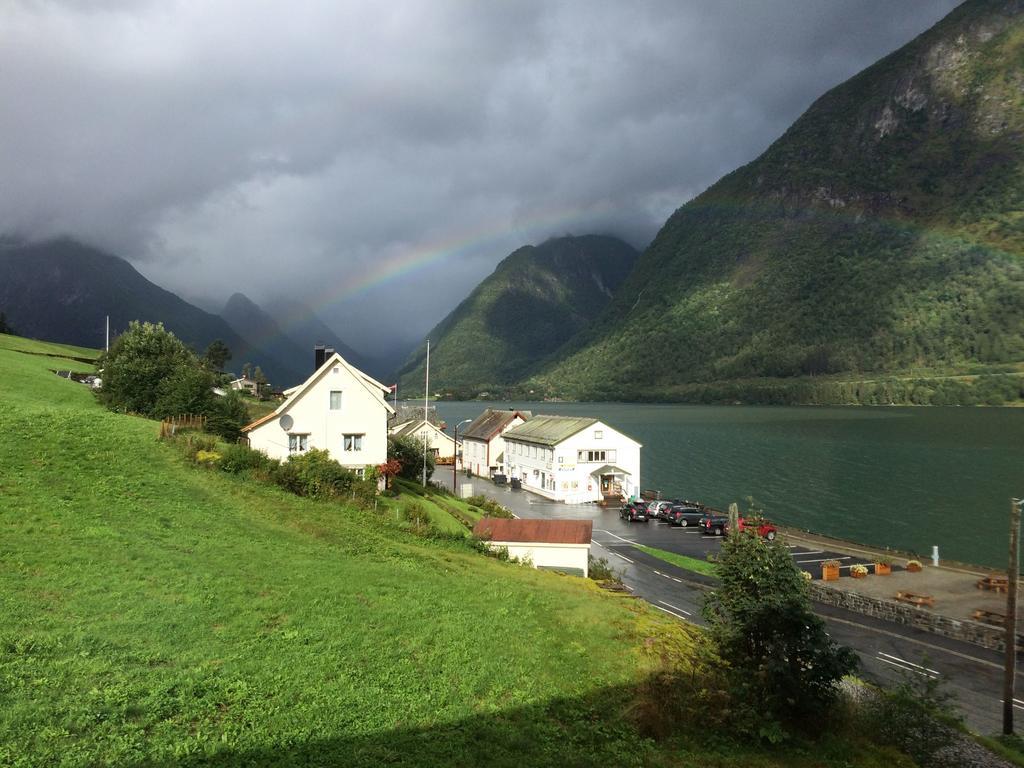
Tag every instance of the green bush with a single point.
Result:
(317, 475)
(408, 451)
(239, 459)
(490, 507)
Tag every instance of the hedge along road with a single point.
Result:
(888, 652)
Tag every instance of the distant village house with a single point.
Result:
(438, 443)
(483, 447)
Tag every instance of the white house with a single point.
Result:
(338, 409)
(558, 545)
(483, 447)
(244, 384)
(573, 459)
(440, 444)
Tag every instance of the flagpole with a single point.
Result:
(426, 392)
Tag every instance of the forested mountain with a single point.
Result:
(61, 290)
(536, 299)
(883, 232)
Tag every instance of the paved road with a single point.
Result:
(888, 652)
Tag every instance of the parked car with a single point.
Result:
(683, 515)
(763, 527)
(634, 510)
(713, 523)
(657, 509)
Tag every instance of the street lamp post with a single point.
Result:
(455, 459)
(1012, 574)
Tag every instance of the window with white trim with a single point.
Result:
(592, 457)
(298, 443)
(335, 400)
(353, 442)
(598, 434)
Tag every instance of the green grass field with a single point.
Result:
(156, 613)
(684, 562)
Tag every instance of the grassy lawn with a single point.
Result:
(156, 613)
(682, 561)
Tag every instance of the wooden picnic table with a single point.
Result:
(921, 601)
(994, 583)
(995, 618)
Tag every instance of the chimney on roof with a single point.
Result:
(319, 356)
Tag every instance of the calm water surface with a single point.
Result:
(906, 478)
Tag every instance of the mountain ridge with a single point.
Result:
(881, 231)
(536, 298)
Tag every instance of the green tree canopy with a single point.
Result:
(217, 355)
(408, 451)
(783, 668)
(139, 363)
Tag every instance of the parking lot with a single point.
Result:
(619, 536)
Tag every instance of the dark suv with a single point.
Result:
(634, 510)
(684, 515)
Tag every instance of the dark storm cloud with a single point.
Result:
(278, 148)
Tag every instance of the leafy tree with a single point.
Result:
(389, 469)
(217, 355)
(187, 390)
(227, 415)
(408, 451)
(262, 385)
(782, 665)
(247, 371)
(5, 327)
(139, 362)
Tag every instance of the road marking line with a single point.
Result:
(678, 580)
(622, 556)
(897, 658)
(914, 640)
(671, 613)
(676, 608)
(905, 668)
(628, 541)
(822, 560)
(811, 552)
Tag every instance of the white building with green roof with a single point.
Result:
(573, 459)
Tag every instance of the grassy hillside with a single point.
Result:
(537, 298)
(156, 613)
(882, 233)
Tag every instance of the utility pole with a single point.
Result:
(108, 334)
(426, 393)
(1010, 671)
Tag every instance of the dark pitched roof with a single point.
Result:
(537, 531)
(491, 422)
(549, 430)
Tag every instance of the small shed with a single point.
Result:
(557, 545)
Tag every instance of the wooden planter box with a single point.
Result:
(882, 569)
(830, 573)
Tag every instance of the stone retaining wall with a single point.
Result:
(910, 615)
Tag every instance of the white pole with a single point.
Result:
(108, 333)
(426, 392)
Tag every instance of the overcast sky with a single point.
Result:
(376, 160)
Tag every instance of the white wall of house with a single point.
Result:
(482, 457)
(571, 557)
(442, 444)
(571, 470)
(352, 425)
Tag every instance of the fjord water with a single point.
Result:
(906, 478)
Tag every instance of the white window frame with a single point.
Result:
(352, 442)
(298, 442)
(330, 400)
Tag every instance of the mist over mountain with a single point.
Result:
(62, 290)
(538, 298)
(882, 232)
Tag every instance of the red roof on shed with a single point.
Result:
(538, 531)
